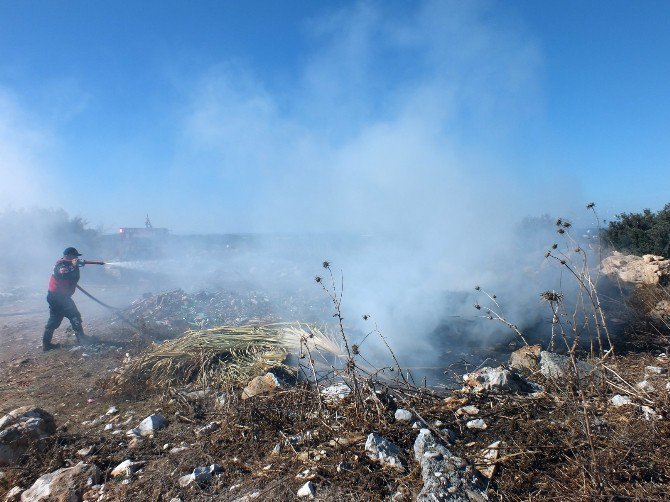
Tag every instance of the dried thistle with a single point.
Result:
(578, 249)
(354, 349)
(326, 264)
(551, 296)
(590, 205)
(559, 222)
(477, 306)
(547, 254)
(318, 279)
(477, 288)
(562, 262)
(366, 317)
(554, 246)
(560, 231)
(567, 224)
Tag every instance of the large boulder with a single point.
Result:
(446, 477)
(64, 485)
(526, 358)
(649, 269)
(22, 429)
(558, 366)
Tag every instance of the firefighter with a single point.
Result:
(62, 285)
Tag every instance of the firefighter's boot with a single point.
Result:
(46, 341)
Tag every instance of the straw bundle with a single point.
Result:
(212, 357)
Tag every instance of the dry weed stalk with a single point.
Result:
(497, 315)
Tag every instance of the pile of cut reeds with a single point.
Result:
(216, 356)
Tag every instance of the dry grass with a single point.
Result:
(217, 356)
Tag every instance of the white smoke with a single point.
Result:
(398, 128)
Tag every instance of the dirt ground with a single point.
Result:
(547, 452)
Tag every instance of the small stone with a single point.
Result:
(112, 411)
(304, 474)
(499, 380)
(467, 410)
(646, 386)
(453, 402)
(151, 424)
(383, 451)
(619, 400)
(655, 370)
(178, 449)
(261, 385)
(307, 490)
(277, 449)
(336, 392)
(478, 424)
(650, 413)
(403, 415)
(186, 480)
(418, 424)
(208, 429)
(109, 427)
(487, 464)
(126, 468)
(84, 452)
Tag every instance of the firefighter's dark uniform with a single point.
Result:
(62, 286)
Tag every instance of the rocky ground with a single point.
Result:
(538, 428)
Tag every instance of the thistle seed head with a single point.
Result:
(551, 296)
(590, 205)
(326, 264)
(318, 279)
(554, 246)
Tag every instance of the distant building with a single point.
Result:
(141, 242)
(146, 232)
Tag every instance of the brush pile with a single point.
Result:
(217, 356)
(170, 313)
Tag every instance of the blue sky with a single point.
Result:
(293, 116)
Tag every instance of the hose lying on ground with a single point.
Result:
(113, 309)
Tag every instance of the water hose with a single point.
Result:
(113, 309)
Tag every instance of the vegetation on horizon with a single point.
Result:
(641, 233)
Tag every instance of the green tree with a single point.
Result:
(641, 233)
